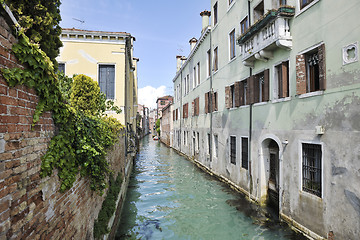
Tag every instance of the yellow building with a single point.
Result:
(106, 57)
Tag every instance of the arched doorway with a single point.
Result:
(273, 181)
(270, 172)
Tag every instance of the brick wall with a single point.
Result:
(32, 207)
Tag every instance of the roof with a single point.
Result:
(77, 31)
(168, 97)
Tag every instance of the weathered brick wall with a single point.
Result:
(32, 207)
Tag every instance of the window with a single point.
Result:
(215, 13)
(195, 80)
(214, 103)
(311, 168)
(311, 70)
(282, 77)
(162, 102)
(198, 141)
(232, 96)
(260, 87)
(244, 25)
(209, 143)
(185, 110)
(230, 1)
(244, 153)
(209, 62)
(107, 80)
(184, 137)
(232, 44)
(195, 104)
(216, 66)
(282, 2)
(61, 67)
(233, 149)
(259, 11)
(304, 3)
(187, 83)
(216, 146)
(198, 73)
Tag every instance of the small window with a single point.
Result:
(232, 44)
(195, 77)
(311, 71)
(311, 168)
(198, 73)
(61, 67)
(198, 141)
(209, 62)
(282, 2)
(215, 101)
(216, 64)
(244, 25)
(230, 1)
(215, 13)
(282, 76)
(216, 146)
(244, 153)
(162, 102)
(107, 80)
(232, 96)
(233, 149)
(259, 11)
(304, 3)
(209, 143)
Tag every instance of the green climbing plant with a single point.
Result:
(82, 138)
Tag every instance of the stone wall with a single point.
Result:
(32, 207)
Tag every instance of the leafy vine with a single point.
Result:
(82, 139)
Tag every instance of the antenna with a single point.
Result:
(81, 21)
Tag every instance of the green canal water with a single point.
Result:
(170, 198)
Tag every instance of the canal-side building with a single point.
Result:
(166, 125)
(143, 124)
(106, 57)
(161, 103)
(268, 99)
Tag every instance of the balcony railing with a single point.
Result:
(269, 33)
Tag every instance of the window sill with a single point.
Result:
(310, 195)
(233, 59)
(300, 11)
(231, 5)
(260, 104)
(312, 94)
(279, 100)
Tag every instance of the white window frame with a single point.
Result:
(300, 11)
(232, 59)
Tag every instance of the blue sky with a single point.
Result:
(162, 29)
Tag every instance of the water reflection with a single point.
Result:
(170, 198)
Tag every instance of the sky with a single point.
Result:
(162, 29)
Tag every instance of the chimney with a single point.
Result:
(192, 42)
(205, 19)
(178, 62)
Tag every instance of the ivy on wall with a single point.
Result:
(82, 137)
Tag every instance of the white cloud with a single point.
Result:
(149, 94)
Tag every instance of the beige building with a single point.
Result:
(106, 57)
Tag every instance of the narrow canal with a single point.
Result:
(170, 198)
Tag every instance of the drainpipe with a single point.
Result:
(180, 115)
(250, 139)
(211, 100)
(125, 102)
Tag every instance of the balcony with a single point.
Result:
(271, 32)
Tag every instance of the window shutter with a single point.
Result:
(256, 89)
(237, 94)
(206, 103)
(213, 102)
(266, 85)
(284, 80)
(300, 74)
(322, 66)
(197, 106)
(102, 78)
(250, 90)
(241, 93)
(227, 97)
